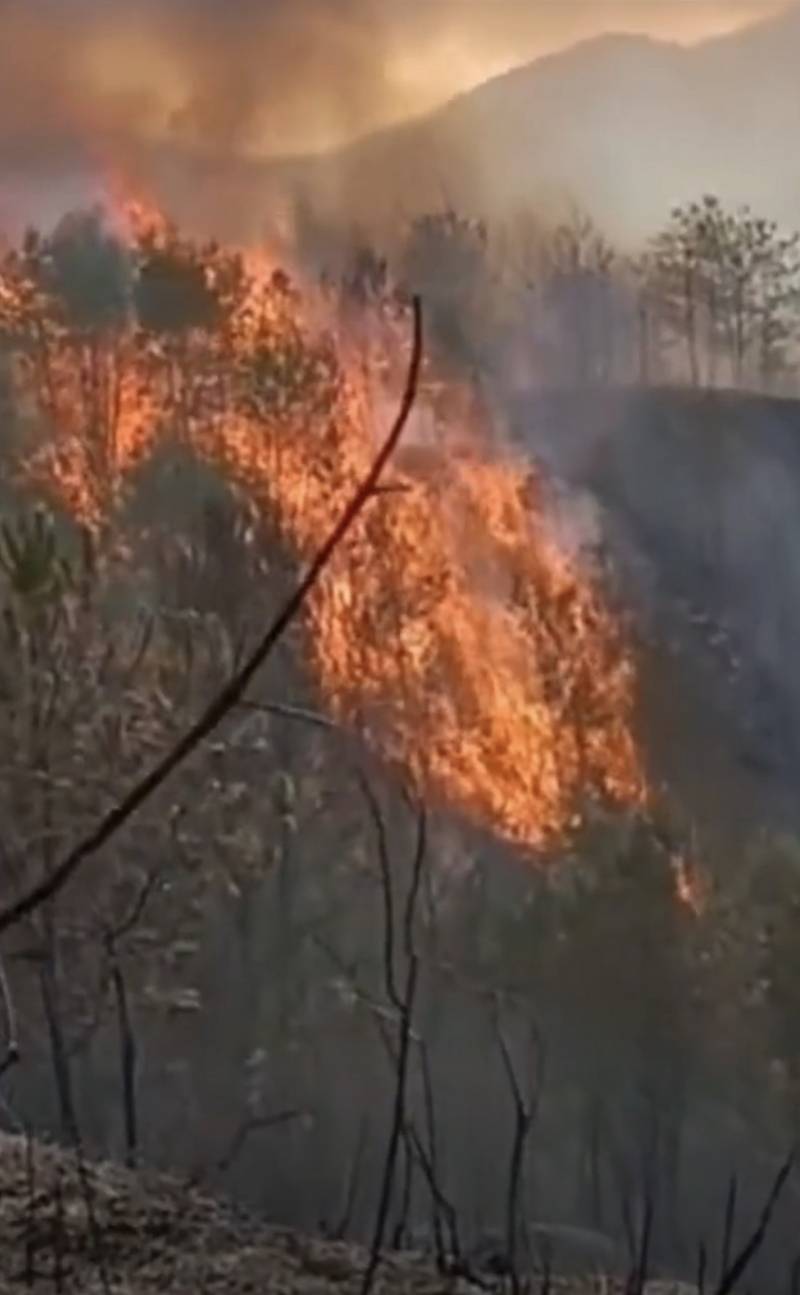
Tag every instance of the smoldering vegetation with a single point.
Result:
(288, 975)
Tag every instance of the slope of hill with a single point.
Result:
(70, 1225)
(700, 499)
(587, 123)
(95, 1226)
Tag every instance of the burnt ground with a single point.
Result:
(696, 498)
(73, 1226)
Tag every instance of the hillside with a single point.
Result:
(70, 1225)
(149, 1233)
(699, 494)
(582, 123)
(227, 965)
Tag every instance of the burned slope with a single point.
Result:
(697, 496)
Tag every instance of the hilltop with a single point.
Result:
(582, 124)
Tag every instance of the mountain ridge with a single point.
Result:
(586, 123)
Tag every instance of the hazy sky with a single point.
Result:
(277, 75)
(454, 44)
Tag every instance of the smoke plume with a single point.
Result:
(164, 85)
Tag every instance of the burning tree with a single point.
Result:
(448, 630)
(472, 652)
(449, 633)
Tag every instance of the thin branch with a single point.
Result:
(134, 914)
(396, 1130)
(525, 1108)
(433, 1158)
(255, 1125)
(406, 1009)
(127, 1058)
(755, 1241)
(413, 890)
(11, 1056)
(228, 697)
(382, 1018)
(111, 972)
(248, 1126)
(285, 711)
(730, 1219)
(387, 894)
(702, 1265)
(339, 1231)
(637, 1280)
(444, 1208)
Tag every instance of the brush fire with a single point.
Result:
(451, 630)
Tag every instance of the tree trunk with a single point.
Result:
(690, 324)
(62, 1071)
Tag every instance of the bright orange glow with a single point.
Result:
(450, 631)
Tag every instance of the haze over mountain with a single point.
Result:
(196, 99)
(623, 124)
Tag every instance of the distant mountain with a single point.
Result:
(625, 125)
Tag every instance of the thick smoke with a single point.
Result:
(241, 76)
(159, 84)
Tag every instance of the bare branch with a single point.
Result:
(525, 1109)
(427, 1159)
(339, 1230)
(228, 697)
(127, 1057)
(248, 1126)
(753, 1244)
(413, 890)
(284, 711)
(384, 862)
(11, 1056)
(730, 1219)
(406, 1008)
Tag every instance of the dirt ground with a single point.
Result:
(71, 1226)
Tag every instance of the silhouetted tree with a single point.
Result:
(445, 255)
(727, 284)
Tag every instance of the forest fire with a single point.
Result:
(450, 630)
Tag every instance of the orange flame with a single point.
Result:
(450, 630)
(136, 213)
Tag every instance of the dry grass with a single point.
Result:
(70, 1227)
